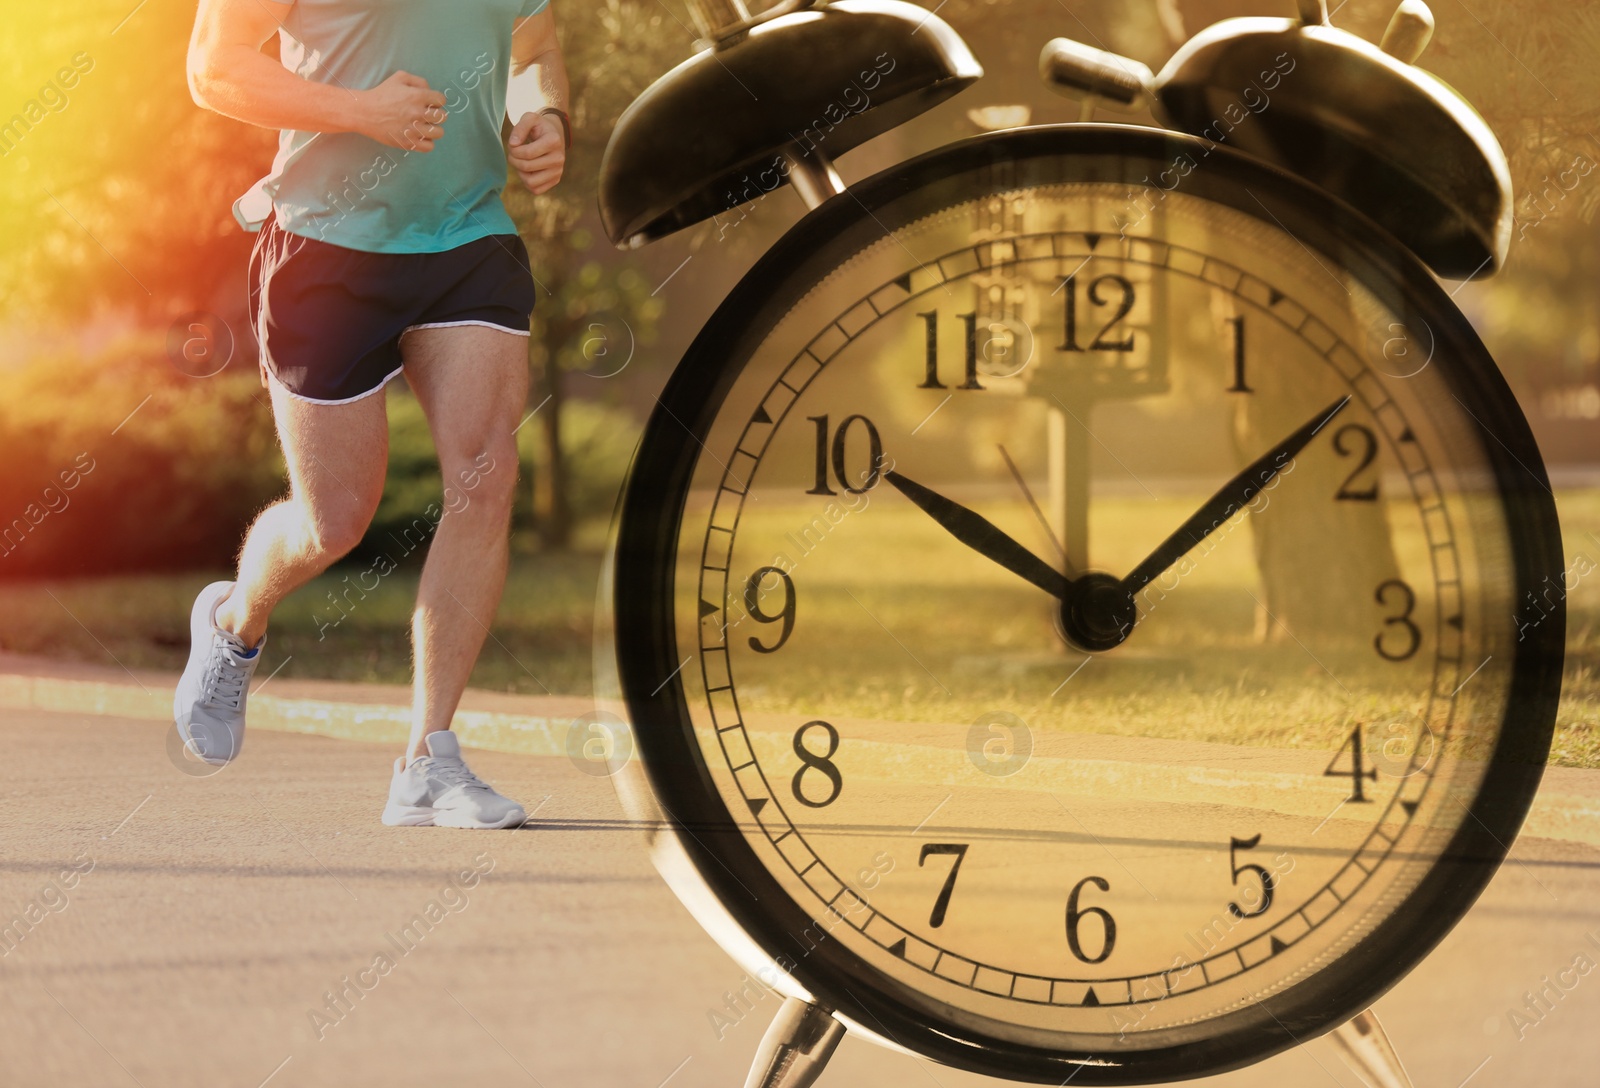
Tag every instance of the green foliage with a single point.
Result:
(598, 316)
(597, 444)
(1542, 332)
(166, 471)
(594, 309)
(545, 625)
(613, 49)
(169, 468)
(121, 201)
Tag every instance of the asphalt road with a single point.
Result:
(205, 919)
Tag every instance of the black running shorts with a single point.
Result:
(328, 319)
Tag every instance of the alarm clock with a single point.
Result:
(1068, 605)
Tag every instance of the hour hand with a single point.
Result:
(982, 536)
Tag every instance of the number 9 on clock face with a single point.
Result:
(1091, 636)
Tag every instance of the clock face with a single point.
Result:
(1094, 613)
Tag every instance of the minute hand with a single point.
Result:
(982, 536)
(1228, 500)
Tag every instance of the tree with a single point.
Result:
(593, 325)
(588, 307)
(118, 200)
(116, 206)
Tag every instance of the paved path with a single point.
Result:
(1567, 807)
(219, 912)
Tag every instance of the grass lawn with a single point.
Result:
(543, 640)
(544, 628)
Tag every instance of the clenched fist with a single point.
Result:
(538, 151)
(402, 111)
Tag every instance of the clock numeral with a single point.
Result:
(1238, 385)
(1069, 340)
(958, 850)
(930, 379)
(1367, 450)
(1268, 884)
(869, 478)
(1108, 925)
(752, 605)
(823, 763)
(1412, 637)
(1357, 769)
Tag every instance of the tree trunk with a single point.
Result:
(551, 511)
(1312, 547)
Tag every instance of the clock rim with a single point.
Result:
(643, 571)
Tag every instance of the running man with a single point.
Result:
(383, 247)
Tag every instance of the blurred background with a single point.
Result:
(137, 442)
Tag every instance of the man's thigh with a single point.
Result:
(336, 455)
(472, 382)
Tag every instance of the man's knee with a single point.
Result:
(335, 532)
(486, 478)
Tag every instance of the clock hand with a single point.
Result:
(1233, 495)
(1044, 522)
(982, 536)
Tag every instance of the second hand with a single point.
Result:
(1044, 523)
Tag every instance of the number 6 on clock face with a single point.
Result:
(1249, 602)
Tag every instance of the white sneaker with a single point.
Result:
(209, 703)
(439, 789)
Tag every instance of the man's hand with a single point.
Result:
(538, 151)
(404, 112)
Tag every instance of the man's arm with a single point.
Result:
(538, 81)
(229, 74)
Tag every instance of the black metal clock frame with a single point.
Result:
(645, 559)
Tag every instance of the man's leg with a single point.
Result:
(336, 455)
(472, 382)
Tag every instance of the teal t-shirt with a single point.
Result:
(351, 190)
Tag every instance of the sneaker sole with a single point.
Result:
(199, 642)
(407, 816)
(411, 816)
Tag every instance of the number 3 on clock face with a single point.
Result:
(935, 459)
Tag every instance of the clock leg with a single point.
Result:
(798, 1043)
(1366, 1048)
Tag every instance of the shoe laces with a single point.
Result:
(455, 772)
(225, 679)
